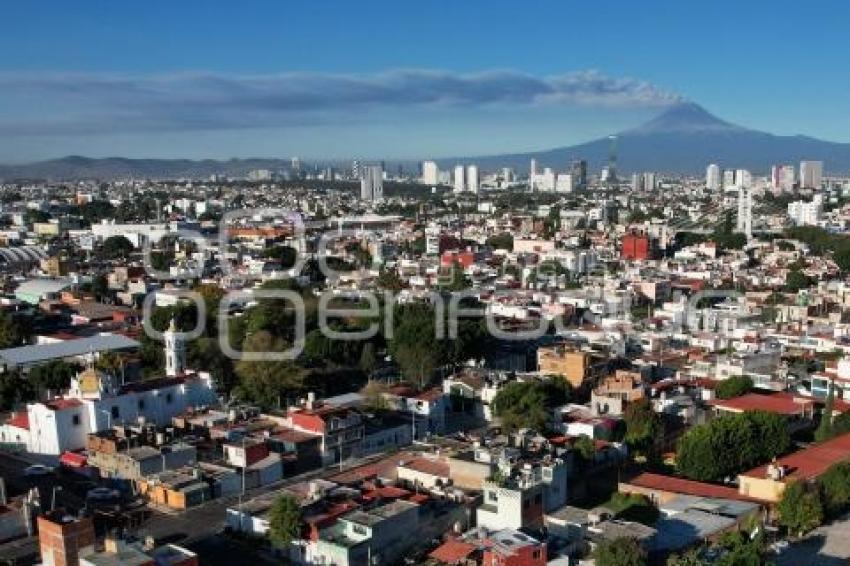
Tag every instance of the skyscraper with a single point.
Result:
(712, 177)
(728, 178)
(782, 178)
(430, 173)
(578, 170)
(472, 178)
(745, 211)
(811, 174)
(743, 178)
(532, 173)
(371, 183)
(459, 180)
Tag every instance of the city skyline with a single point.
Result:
(182, 83)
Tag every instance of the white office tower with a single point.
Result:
(472, 181)
(371, 182)
(804, 213)
(507, 175)
(460, 179)
(649, 182)
(811, 174)
(743, 179)
(745, 212)
(544, 182)
(728, 178)
(430, 173)
(175, 351)
(532, 174)
(564, 183)
(712, 177)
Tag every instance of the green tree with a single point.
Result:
(266, 382)
(734, 386)
(15, 390)
(585, 448)
(367, 358)
(285, 520)
(522, 405)
(116, 247)
(503, 241)
(796, 280)
(800, 508)
(731, 444)
(54, 375)
(388, 280)
(11, 333)
(643, 427)
(622, 551)
(825, 430)
(835, 489)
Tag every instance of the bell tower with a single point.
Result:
(175, 351)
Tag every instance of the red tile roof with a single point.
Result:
(62, 404)
(811, 462)
(19, 420)
(452, 551)
(682, 486)
(779, 403)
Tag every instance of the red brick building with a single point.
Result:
(636, 246)
(63, 537)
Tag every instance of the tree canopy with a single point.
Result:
(731, 444)
(734, 386)
(285, 520)
(622, 551)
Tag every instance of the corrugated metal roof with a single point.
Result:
(29, 355)
(42, 286)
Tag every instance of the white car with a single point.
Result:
(38, 470)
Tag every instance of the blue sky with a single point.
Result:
(384, 79)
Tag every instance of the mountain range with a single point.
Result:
(682, 139)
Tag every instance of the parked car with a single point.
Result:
(37, 470)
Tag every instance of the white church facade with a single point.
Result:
(96, 401)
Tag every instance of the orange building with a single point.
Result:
(63, 538)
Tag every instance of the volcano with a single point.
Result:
(683, 139)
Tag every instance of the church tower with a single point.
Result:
(175, 351)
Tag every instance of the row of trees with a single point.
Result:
(528, 404)
(805, 506)
(326, 365)
(731, 444)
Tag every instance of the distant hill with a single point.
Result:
(683, 139)
(108, 168)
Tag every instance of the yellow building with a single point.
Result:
(576, 366)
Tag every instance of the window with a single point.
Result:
(538, 498)
(536, 555)
(169, 398)
(492, 496)
(75, 420)
(115, 412)
(359, 529)
(141, 404)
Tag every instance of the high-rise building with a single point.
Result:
(460, 179)
(472, 180)
(355, 169)
(804, 213)
(578, 170)
(745, 211)
(372, 183)
(743, 178)
(532, 173)
(811, 174)
(564, 183)
(728, 178)
(782, 178)
(295, 165)
(712, 177)
(430, 173)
